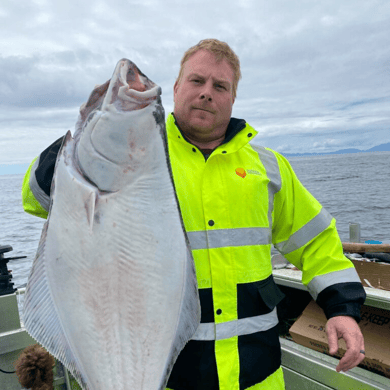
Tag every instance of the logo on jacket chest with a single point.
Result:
(243, 172)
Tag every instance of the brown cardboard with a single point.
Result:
(309, 331)
(373, 274)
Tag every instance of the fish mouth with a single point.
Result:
(150, 94)
(139, 87)
(128, 90)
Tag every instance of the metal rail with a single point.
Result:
(315, 370)
(292, 278)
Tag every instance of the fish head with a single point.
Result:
(118, 126)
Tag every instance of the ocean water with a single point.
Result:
(353, 188)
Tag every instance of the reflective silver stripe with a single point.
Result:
(205, 332)
(211, 331)
(37, 191)
(271, 166)
(306, 233)
(221, 238)
(321, 282)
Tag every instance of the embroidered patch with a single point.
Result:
(241, 172)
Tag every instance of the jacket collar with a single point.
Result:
(234, 127)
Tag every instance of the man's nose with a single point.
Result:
(206, 97)
(206, 92)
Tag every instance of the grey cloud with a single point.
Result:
(53, 80)
(313, 72)
(384, 99)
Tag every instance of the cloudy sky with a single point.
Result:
(316, 74)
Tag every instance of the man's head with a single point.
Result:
(221, 51)
(204, 92)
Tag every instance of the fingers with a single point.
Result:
(348, 329)
(355, 343)
(332, 339)
(350, 360)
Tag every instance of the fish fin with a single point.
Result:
(190, 315)
(41, 318)
(90, 204)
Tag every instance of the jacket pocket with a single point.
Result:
(269, 292)
(257, 298)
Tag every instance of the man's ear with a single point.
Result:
(175, 87)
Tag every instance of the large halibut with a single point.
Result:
(112, 292)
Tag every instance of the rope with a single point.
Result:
(7, 372)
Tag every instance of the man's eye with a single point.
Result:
(219, 86)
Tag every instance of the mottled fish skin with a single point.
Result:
(112, 292)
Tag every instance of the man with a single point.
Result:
(235, 203)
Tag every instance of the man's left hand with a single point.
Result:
(347, 328)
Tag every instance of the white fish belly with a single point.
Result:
(112, 293)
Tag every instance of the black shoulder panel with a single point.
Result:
(47, 160)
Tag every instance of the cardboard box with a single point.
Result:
(309, 331)
(373, 274)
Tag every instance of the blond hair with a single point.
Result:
(222, 51)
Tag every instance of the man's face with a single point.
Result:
(203, 97)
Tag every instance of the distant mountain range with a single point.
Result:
(378, 148)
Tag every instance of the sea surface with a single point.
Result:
(354, 188)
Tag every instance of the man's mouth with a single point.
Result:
(203, 109)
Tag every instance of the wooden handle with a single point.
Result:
(356, 247)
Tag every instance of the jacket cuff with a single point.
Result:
(45, 169)
(342, 299)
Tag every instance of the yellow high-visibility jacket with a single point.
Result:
(235, 204)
